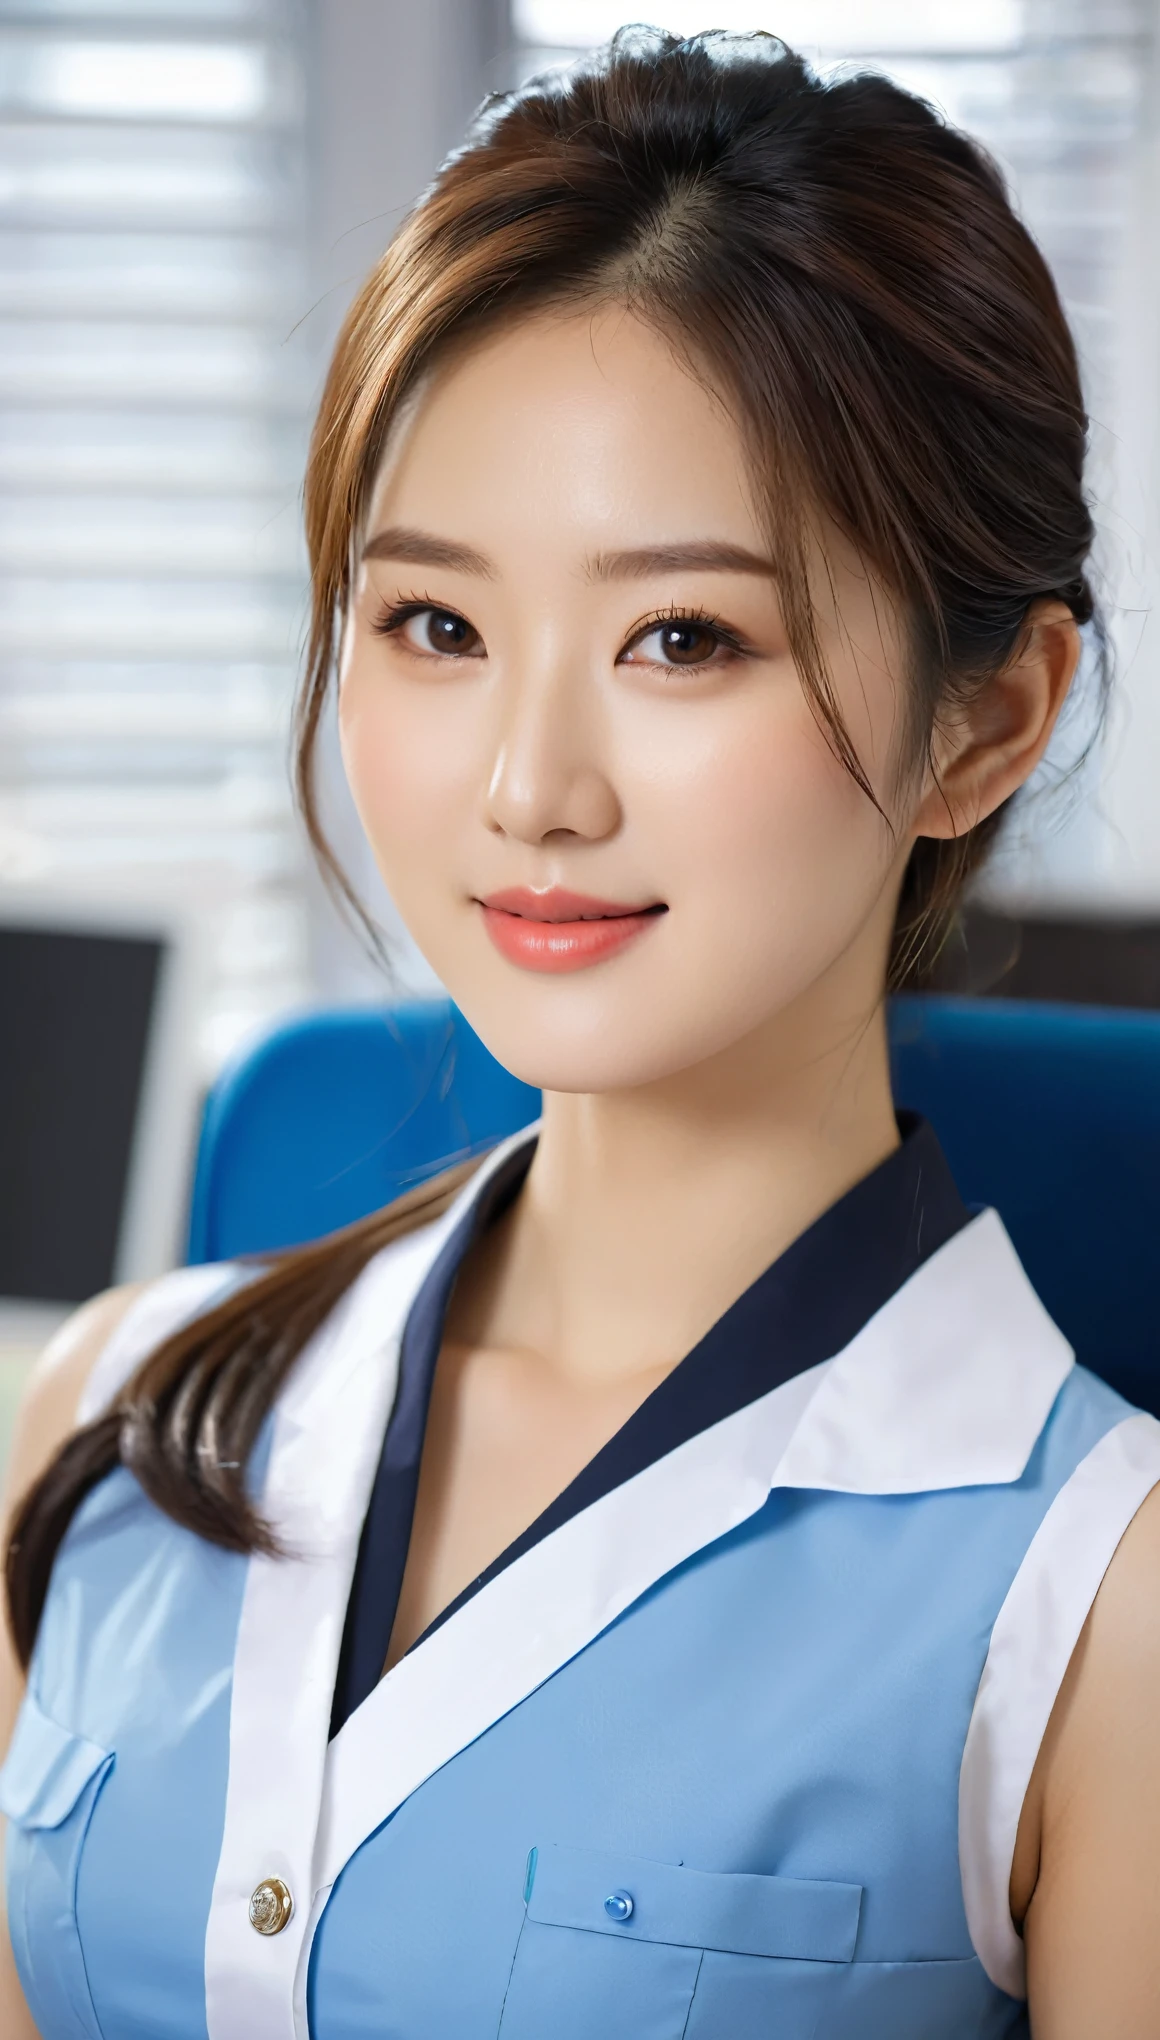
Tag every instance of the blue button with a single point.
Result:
(618, 1905)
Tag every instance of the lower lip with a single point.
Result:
(562, 945)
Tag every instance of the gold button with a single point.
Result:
(270, 1906)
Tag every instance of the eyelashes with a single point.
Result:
(448, 634)
(390, 619)
(678, 621)
(690, 637)
(395, 614)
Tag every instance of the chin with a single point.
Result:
(583, 1073)
(596, 1046)
(634, 1021)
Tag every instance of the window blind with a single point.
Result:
(151, 438)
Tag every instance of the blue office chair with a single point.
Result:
(1051, 1113)
(331, 1115)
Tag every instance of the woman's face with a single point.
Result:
(574, 731)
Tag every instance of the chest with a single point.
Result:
(505, 1436)
(762, 1754)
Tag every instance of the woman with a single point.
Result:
(672, 1579)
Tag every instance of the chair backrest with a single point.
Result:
(1050, 1113)
(333, 1114)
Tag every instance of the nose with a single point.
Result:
(549, 778)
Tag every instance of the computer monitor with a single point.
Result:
(99, 1093)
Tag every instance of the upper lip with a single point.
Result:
(559, 904)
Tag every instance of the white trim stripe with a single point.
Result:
(543, 1609)
(328, 1430)
(1032, 1642)
(532, 1619)
(949, 1385)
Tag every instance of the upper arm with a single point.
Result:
(1092, 1928)
(46, 1416)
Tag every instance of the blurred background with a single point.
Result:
(189, 192)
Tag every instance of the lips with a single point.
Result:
(559, 930)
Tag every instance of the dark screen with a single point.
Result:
(75, 1013)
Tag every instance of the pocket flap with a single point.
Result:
(738, 1914)
(46, 1770)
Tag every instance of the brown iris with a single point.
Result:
(687, 644)
(446, 632)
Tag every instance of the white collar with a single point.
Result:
(948, 1385)
(370, 1319)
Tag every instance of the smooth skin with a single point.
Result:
(566, 665)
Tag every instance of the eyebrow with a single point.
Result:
(713, 554)
(424, 549)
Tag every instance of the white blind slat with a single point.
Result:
(152, 426)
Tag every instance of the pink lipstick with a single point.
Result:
(560, 930)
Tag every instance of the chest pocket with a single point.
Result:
(48, 1789)
(631, 1950)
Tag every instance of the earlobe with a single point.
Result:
(992, 742)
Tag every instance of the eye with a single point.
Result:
(425, 629)
(680, 641)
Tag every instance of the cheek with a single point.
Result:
(411, 768)
(776, 861)
(764, 826)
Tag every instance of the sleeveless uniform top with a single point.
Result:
(734, 1743)
(794, 1315)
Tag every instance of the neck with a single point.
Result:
(647, 1211)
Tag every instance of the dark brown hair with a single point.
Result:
(848, 273)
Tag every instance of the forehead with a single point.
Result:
(584, 423)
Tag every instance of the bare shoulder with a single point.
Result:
(1112, 1686)
(1127, 1607)
(49, 1406)
(1116, 1668)
(1091, 1928)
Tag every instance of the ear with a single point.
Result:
(987, 748)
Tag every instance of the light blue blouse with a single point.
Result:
(730, 1753)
